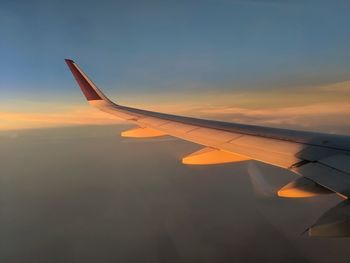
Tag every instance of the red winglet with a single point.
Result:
(86, 85)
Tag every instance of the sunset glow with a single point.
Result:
(320, 108)
(174, 131)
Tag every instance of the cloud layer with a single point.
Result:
(325, 117)
(67, 117)
(324, 108)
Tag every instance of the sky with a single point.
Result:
(85, 194)
(183, 57)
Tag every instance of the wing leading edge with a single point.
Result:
(323, 159)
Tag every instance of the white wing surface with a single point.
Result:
(322, 160)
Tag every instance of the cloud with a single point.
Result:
(67, 117)
(340, 87)
(326, 117)
(323, 117)
(323, 108)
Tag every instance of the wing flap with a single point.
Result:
(331, 172)
(333, 223)
(276, 146)
(339, 162)
(265, 155)
(209, 137)
(314, 153)
(152, 122)
(176, 127)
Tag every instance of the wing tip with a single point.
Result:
(87, 87)
(68, 60)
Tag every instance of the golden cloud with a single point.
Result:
(324, 108)
(325, 117)
(68, 117)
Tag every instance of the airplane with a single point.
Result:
(322, 161)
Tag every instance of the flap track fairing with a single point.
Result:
(209, 155)
(302, 187)
(142, 133)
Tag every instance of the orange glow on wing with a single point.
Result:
(142, 133)
(208, 156)
(302, 187)
(295, 193)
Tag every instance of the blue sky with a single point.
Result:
(221, 59)
(152, 46)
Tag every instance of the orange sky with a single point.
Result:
(80, 115)
(324, 108)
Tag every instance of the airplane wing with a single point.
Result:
(321, 160)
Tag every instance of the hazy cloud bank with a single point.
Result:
(323, 108)
(68, 117)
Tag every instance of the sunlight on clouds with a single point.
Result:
(325, 117)
(319, 117)
(338, 87)
(75, 116)
(324, 108)
(313, 117)
(252, 98)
